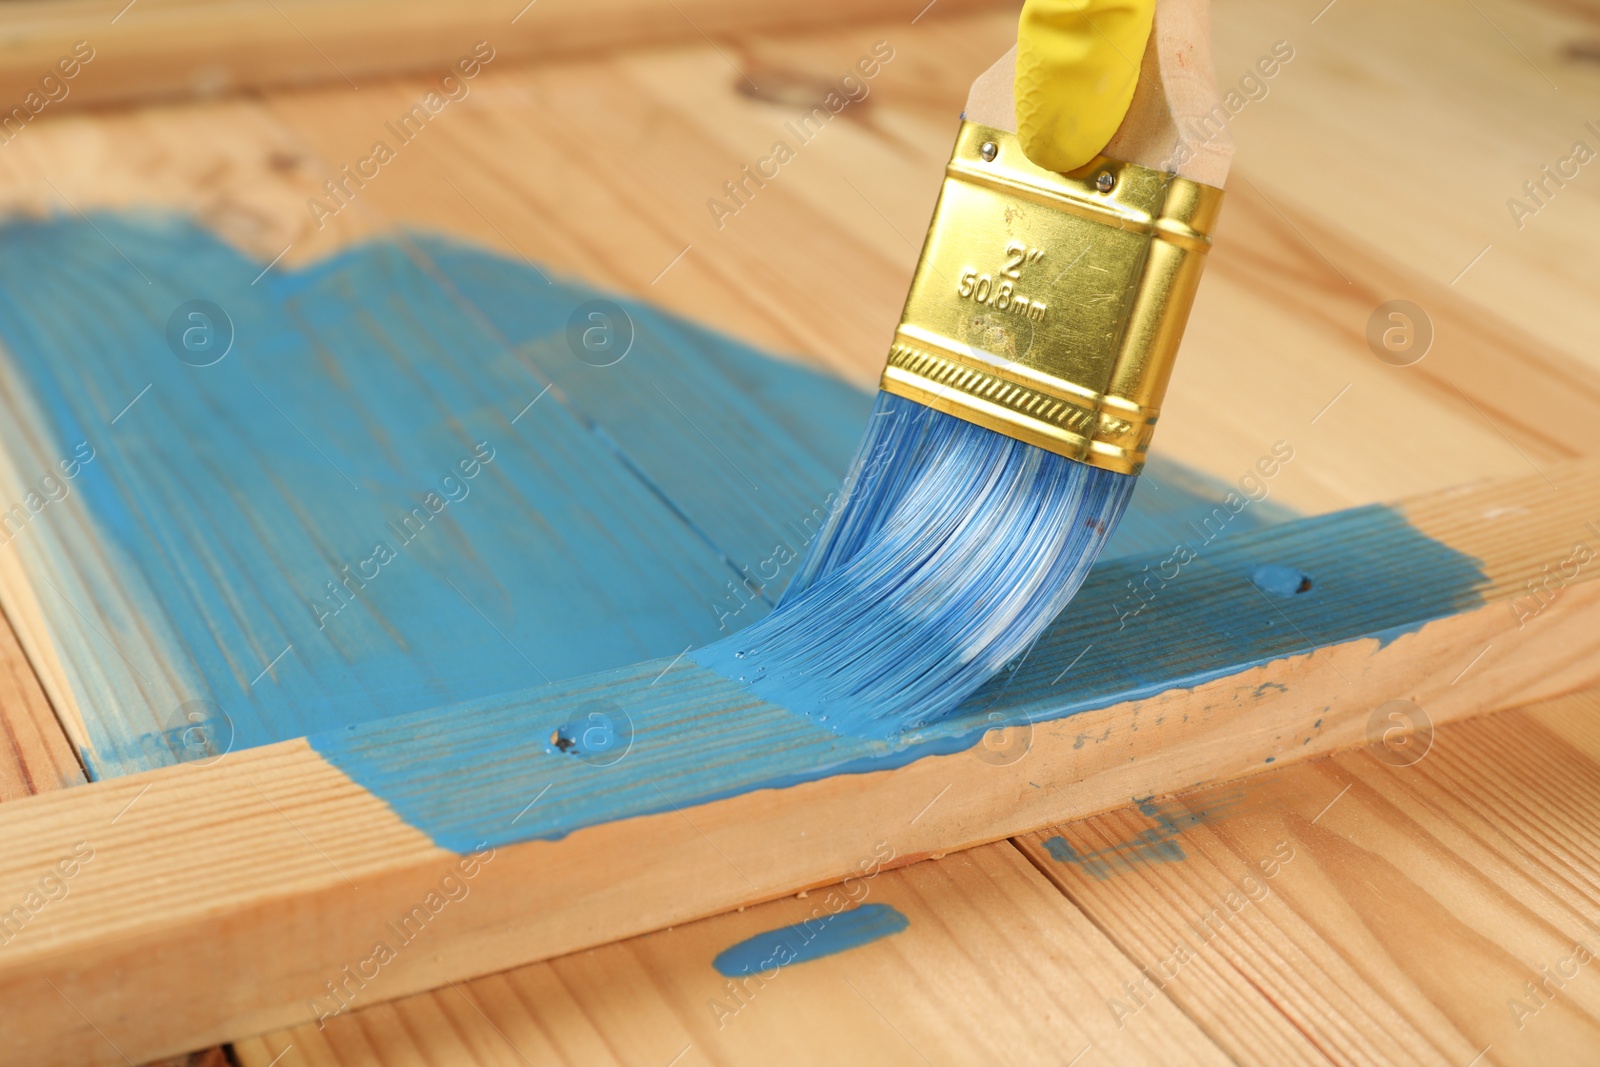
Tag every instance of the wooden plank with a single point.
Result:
(1384, 905)
(303, 918)
(988, 939)
(200, 48)
(35, 755)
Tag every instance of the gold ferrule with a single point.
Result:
(1048, 307)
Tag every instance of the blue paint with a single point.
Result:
(465, 774)
(604, 530)
(825, 935)
(1149, 847)
(1282, 581)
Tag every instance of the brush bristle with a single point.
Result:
(949, 549)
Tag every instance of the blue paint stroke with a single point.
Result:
(466, 774)
(1158, 844)
(232, 510)
(826, 935)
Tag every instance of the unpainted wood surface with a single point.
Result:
(35, 755)
(1439, 902)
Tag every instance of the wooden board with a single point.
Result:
(258, 164)
(1309, 914)
(342, 858)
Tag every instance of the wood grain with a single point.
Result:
(990, 940)
(35, 755)
(1416, 900)
(203, 48)
(1348, 950)
(1408, 130)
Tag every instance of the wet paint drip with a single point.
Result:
(813, 939)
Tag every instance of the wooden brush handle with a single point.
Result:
(1176, 122)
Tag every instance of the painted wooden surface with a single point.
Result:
(456, 507)
(1384, 905)
(375, 503)
(346, 865)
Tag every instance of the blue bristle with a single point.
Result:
(949, 549)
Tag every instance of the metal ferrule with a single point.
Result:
(1048, 307)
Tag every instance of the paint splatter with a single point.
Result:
(1158, 844)
(825, 935)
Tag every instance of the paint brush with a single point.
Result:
(1016, 409)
